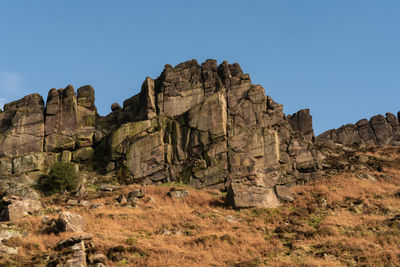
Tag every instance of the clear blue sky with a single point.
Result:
(339, 58)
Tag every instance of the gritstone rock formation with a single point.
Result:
(206, 125)
(70, 119)
(67, 122)
(379, 130)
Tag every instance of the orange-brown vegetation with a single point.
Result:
(338, 221)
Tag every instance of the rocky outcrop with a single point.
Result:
(67, 122)
(70, 119)
(206, 125)
(379, 130)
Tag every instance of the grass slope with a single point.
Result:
(343, 220)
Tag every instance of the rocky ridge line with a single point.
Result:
(206, 125)
(66, 123)
(379, 130)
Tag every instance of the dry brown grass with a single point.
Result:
(340, 221)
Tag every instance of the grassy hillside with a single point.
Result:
(346, 220)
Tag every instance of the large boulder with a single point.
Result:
(83, 154)
(9, 187)
(6, 234)
(13, 208)
(72, 251)
(284, 193)
(245, 196)
(28, 163)
(303, 157)
(70, 222)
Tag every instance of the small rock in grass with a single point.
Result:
(121, 199)
(178, 193)
(70, 222)
(138, 192)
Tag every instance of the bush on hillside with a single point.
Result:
(62, 176)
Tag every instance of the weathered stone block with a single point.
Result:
(247, 196)
(28, 163)
(210, 116)
(129, 132)
(66, 156)
(302, 154)
(83, 154)
(16, 208)
(146, 155)
(181, 88)
(5, 166)
(70, 222)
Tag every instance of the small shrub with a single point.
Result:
(123, 176)
(326, 231)
(62, 176)
(131, 241)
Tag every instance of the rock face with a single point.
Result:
(208, 125)
(67, 122)
(70, 119)
(203, 124)
(22, 126)
(379, 130)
